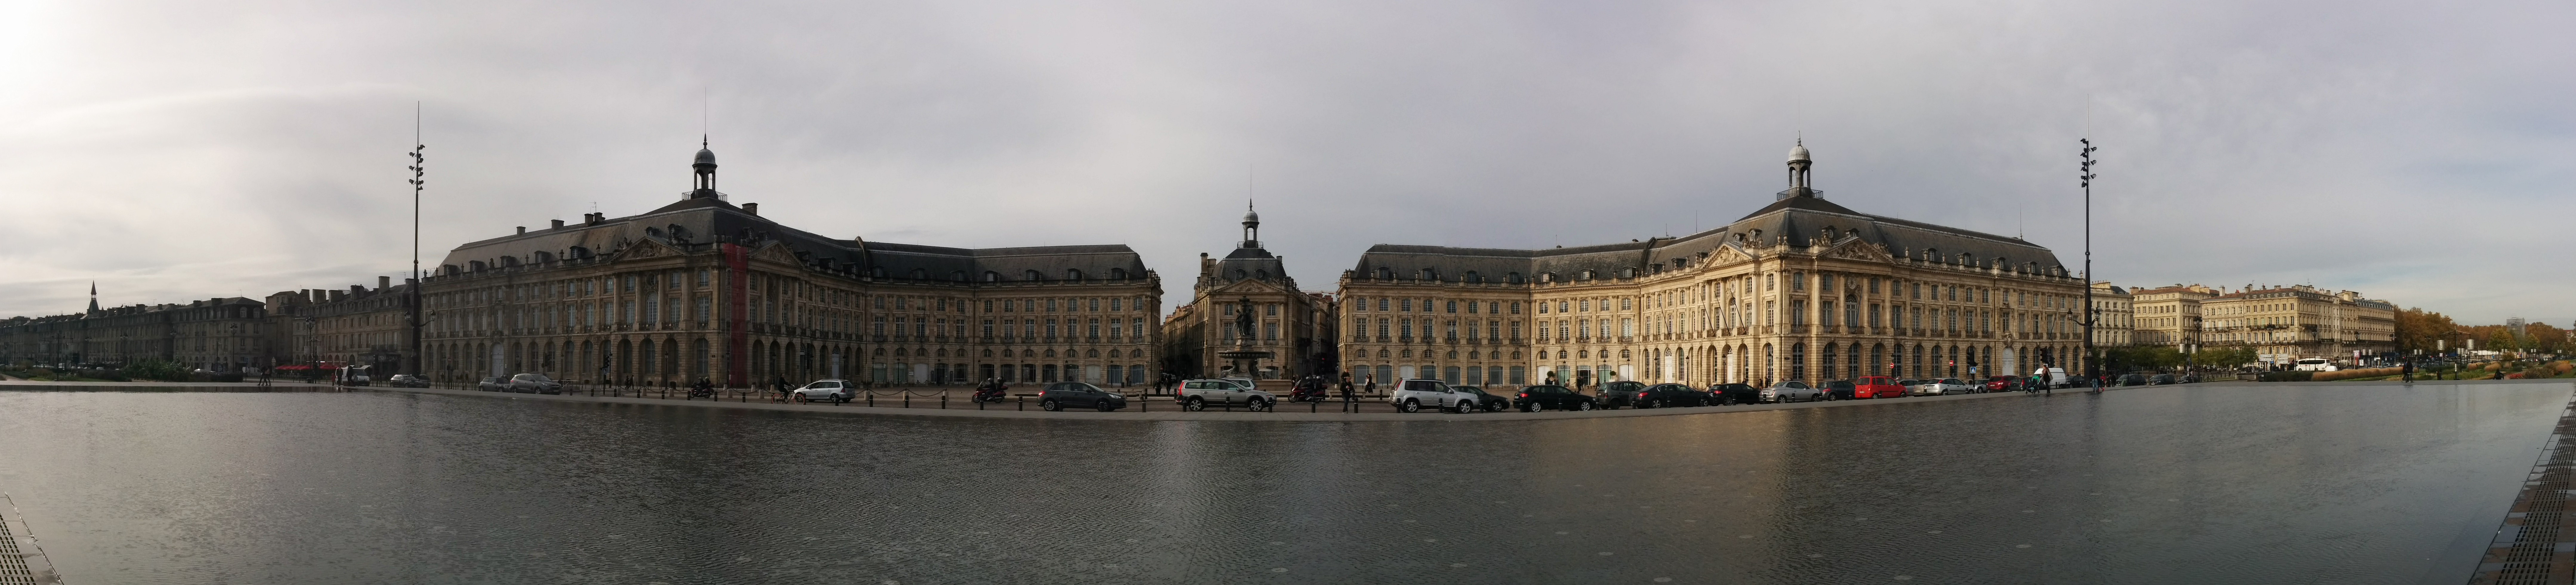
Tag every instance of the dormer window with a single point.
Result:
(1033, 276)
(1073, 275)
(991, 276)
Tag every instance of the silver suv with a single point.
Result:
(1413, 395)
(1198, 394)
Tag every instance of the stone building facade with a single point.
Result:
(2114, 316)
(2168, 316)
(2283, 324)
(359, 326)
(216, 335)
(1294, 325)
(706, 289)
(1801, 289)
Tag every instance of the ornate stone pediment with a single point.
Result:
(1729, 253)
(1858, 249)
(645, 248)
(775, 251)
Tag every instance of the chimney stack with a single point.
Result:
(558, 223)
(523, 230)
(384, 282)
(751, 208)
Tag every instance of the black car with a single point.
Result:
(2133, 380)
(1841, 390)
(1620, 393)
(2161, 379)
(1736, 394)
(1062, 395)
(1550, 397)
(1670, 395)
(1485, 401)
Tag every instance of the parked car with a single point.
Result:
(1791, 391)
(1736, 393)
(1938, 387)
(833, 391)
(1620, 393)
(1877, 387)
(534, 384)
(2000, 383)
(406, 381)
(1412, 395)
(2191, 378)
(2161, 379)
(1550, 397)
(1198, 394)
(1841, 390)
(1485, 401)
(1670, 395)
(493, 384)
(1061, 395)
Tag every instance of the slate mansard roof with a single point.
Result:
(703, 220)
(1793, 219)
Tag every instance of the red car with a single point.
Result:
(1877, 387)
(2003, 383)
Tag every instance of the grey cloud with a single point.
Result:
(2415, 152)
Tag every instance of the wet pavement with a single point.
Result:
(2308, 483)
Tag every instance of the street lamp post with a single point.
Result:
(413, 317)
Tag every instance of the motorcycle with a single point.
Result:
(1307, 394)
(992, 394)
(702, 392)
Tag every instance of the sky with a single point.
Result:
(2415, 152)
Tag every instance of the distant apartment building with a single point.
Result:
(2284, 323)
(215, 335)
(2113, 317)
(2168, 316)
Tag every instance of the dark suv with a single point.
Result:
(1620, 393)
(1732, 393)
(1485, 401)
(1062, 395)
(1670, 395)
(1550, 397)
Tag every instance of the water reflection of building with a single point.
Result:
(1293, 324)
(1801, 289)
(705, 288)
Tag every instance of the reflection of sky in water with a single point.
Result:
(2159, 485)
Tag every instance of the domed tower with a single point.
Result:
(1798, 165)
(1251, 227)
(706, 171)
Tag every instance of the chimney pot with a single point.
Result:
(558, 223)
(523, 230)
(384, 282)
(751, 208)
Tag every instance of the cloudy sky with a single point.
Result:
(2417, 152)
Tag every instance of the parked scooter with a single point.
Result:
(992, 391)
(702, 389)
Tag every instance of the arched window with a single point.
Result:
(919, 274)
(1118, 274)
(1261, 274)
(1384, 273)
(957, 275)
(1239, 274)
(1514, 278)
(1073, 275)
(991, 276)
(1033, 276)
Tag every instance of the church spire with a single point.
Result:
(93, 297)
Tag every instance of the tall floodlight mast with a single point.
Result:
(413, 316)
(2092, 363)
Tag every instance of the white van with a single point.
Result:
(2053, 377)
(2314, 365)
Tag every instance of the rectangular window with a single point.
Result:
(1270, 331)
(1516, 329)
(1453, 306)
(1471, 307)
(1270, 310)
(1516, 307)
(705, 309)
(1407, 306)
(1873, 316)
(1092, 329)
(1381, 328)
(1627, 328)
(652, 310)
(1825, 316)
(1873, 285)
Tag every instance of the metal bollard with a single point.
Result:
(907, 399)
(943, 401)
(1023, 403)
(1311, 406)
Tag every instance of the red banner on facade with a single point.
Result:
(736, 313)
